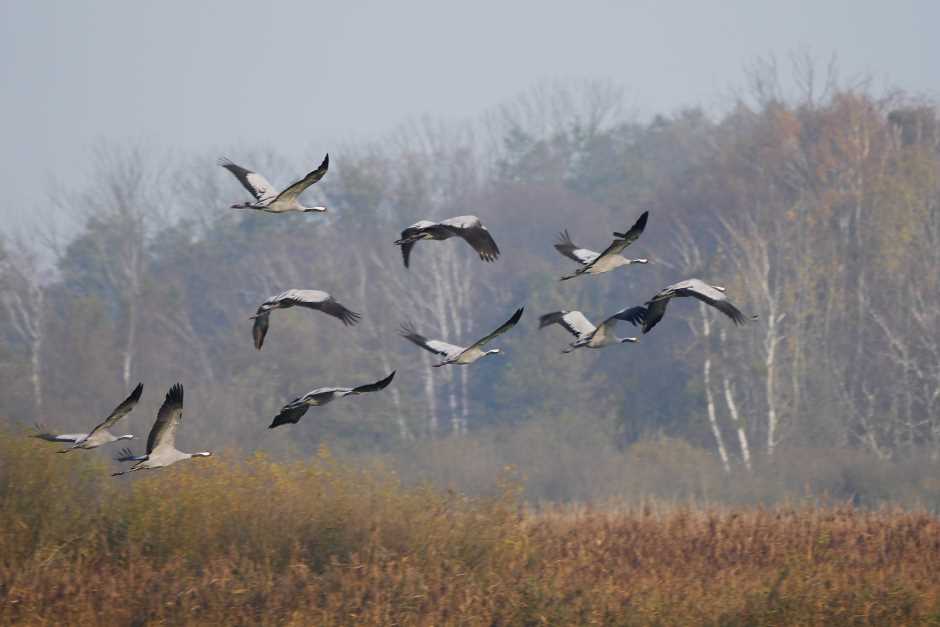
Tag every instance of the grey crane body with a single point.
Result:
(469, 228)
(452, 354)
(586, 334)
(101, 434)
(267, 198)
(161, 442)
(598, 263)
(292, 412)
(651, 312)
(309, 299)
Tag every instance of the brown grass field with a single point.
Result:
(223, 541)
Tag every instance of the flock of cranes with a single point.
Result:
(161, 442)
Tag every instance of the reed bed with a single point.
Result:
(234, 541)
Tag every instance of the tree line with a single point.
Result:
(816, 207)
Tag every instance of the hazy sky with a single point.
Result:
(302, 75)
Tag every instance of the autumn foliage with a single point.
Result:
(223, 541)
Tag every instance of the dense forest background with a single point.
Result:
(814, 201)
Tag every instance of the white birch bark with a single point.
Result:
(739, 425)
(709, 397)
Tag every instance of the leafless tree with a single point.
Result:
(23, 299)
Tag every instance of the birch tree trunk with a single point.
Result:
(739, 425)
(709, 398)
(131, 340)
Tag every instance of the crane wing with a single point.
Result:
(330, 306)
(635, 231)
(257, 185)
(698, 289)
(569, 249)
(434, 346)
(127, 455)
(43, 434)
(633, 315)
(296, 189)
(289, 414)
(474, 233)
(502, 329)
(169, 417)
(624, 239)
(572, 321)
(374, 387)
(260, 328)
(649, 314)
(314, 299)
(406, 251)
(121, 410)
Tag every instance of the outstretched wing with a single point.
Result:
(502, 329)
(409, 237)
(374, 387)
(121, 410)
(696, 288)
(330, 306)
(572, 321)
(624, 239)
(434, 346)
(647, 315)
(296, 189)
(633, 315)
(257, 185)
(289, 414)
(321, 301)
(260, 328)
(406, 251)
(127, 455)
(474, 233)
(44, 434)
(635, 231)
(169, 417)
(569, 249)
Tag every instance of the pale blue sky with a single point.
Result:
(304, 75)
